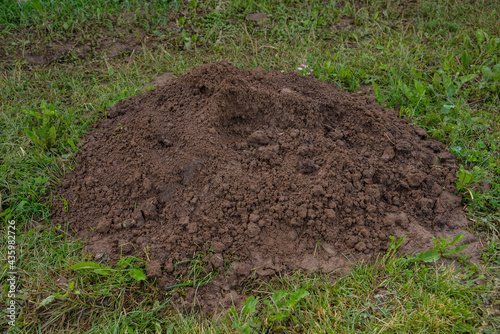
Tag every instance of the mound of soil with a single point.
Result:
(269, 171)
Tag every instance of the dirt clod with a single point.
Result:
(101, 257)
(258, 167)
(138, 217)
(103, 225)
(153, 269)
(259, 137)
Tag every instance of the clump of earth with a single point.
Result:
(262, 173)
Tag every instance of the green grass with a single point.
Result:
(437, 61)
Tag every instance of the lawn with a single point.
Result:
(62, 63)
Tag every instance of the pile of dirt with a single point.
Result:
(268, 171)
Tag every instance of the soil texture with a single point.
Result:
(264, 172)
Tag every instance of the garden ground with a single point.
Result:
(437, 63)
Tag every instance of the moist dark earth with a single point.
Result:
(264, 172)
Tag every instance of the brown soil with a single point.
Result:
(274, 171)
